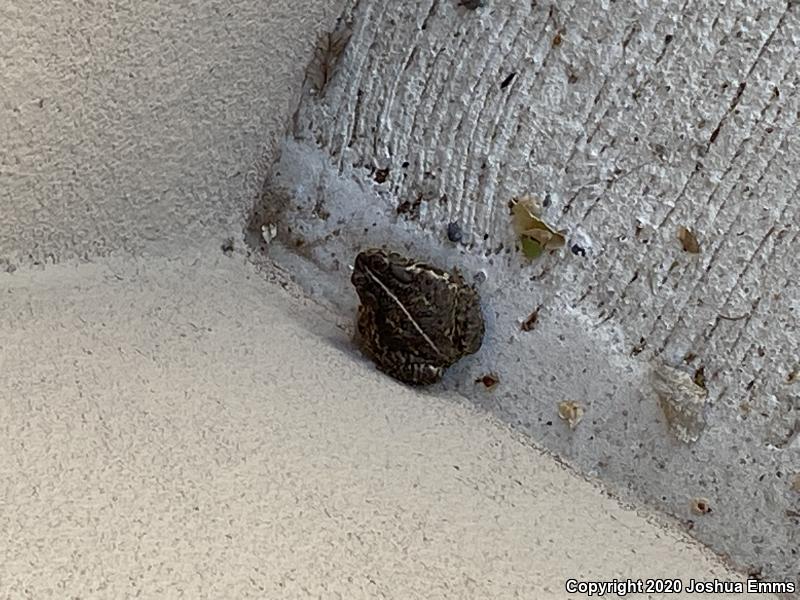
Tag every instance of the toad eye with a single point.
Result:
(402, 274)
(379, 261)
(371, 260)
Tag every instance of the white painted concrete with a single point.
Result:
(178, 427)
(632, 119)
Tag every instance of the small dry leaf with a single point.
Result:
(571, 412)
(531, 248)
(529, 323)
(489, 380)
(701, 506)
(688, 240)
(525, 210)
(535, 235)
(549, 240)
(326, 55)
(795, 487)
(700, 377)
(682, 401)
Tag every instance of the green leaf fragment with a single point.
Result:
(535, 235)
(531, 248)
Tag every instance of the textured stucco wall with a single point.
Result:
(126, 124)
(631, 119)
(123, 123)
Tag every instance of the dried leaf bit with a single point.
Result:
(682, 400)
(529, 323)
(700, 378)
(570, 412)
(326, 56)
(535, 235)
(688, 240)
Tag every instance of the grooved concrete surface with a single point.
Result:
(177, 427)
(629, 120)
(124, 123)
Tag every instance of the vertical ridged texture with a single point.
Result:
(635, 119)
(630, 138)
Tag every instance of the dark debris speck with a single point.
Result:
(228, 246)
(507, 81)
(489, 380)
(381, 175)
(578, 250)
(529, 323)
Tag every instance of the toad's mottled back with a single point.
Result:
(415, 320)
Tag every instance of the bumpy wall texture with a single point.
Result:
(128, 123)
(630, 121)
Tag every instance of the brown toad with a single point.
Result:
(414, 320)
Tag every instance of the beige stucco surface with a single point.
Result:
(178, 427)
(126, 123)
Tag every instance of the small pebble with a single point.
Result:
(454, 232)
